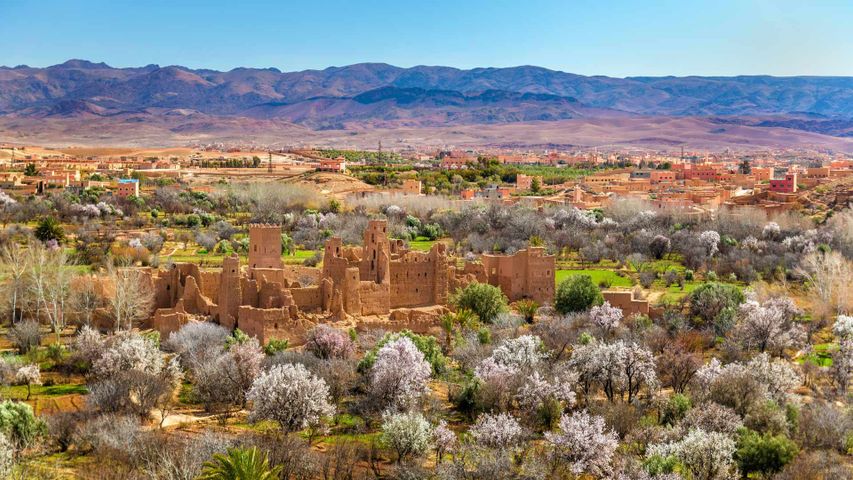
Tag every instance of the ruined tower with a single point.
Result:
(376, 253)
(265, 246)
(230, 292)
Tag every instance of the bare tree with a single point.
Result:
(131, 300)
(85, 299)
(829, 275)
(50, 283)
(15, 266)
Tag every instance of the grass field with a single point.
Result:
(598, 276)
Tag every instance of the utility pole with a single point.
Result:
(269, 162)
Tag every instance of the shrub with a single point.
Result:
(19, 424)
(674, 409)
(764, 453)
(275, 345)
(527, 308)
(577, 293)
(240, 463)
(715, 303)
(485, 300)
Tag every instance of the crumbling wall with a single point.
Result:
(308, 298)
(625, 300)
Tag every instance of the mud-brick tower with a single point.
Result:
(375, 260)
(265, 246)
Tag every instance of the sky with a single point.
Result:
(615, 38)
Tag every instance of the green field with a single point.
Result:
(597, 276)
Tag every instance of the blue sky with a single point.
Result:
(616, 38)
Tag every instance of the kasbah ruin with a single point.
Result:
(381, 284)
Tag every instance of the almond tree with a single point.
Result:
(606, 317)
(291, 396)
(498, 431)
(707, 456)
(409, 434)
(399, 375)
(768, 326)
(583, 444)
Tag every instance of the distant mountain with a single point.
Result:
(381, 95)
(232, 92)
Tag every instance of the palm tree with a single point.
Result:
(239, 464)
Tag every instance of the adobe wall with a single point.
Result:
(527, 274)
(625, 300)
(418, 279)
(265, 246)
(270, 323)
(308, 299)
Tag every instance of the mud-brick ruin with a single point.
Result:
(380, 283)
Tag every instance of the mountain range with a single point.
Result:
(380, 96)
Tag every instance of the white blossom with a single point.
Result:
(842, 364)
(584, 443)
(399, 375)
(6, 200)
(771, 230)
(291, 396)
(711, 240)
(443, 438)
(707, 456)
(520, 353)
(537, 390)
(129, 351)
(7, 456)
(707, 373)
(28, 375)
(777, 375)
(606, 317)
(769, 326)
(88, 345)
(843, 327)
(409, 434)
(619, 368)
(499, 431)
(712, 417)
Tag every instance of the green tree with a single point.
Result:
(240, 464)
(30, 170)
(49, 228)
(287, 245)
(485, 300)
(764, 453)
(577, 293)
(715, 304)
(535, 185)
